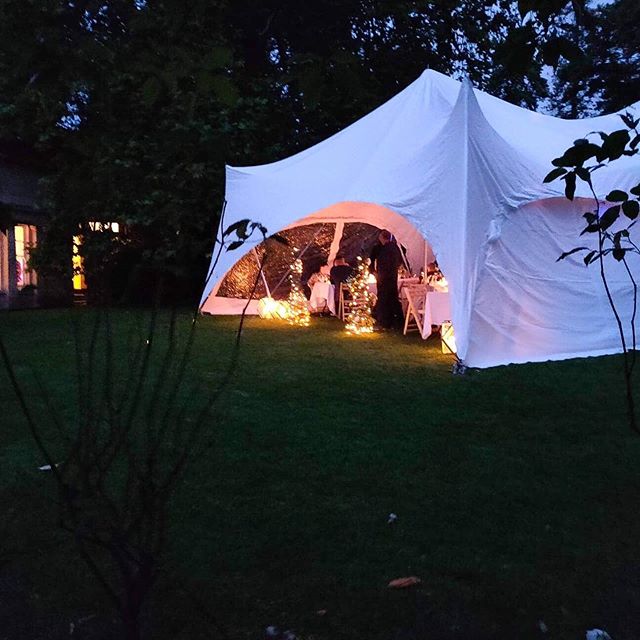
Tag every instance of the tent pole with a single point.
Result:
(426, 258)
(315, 235)
(266, 286)
(404, 259)
(335, 244)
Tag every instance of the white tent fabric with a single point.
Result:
(463, 170)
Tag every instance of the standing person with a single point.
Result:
(373, 256)
(387, 261)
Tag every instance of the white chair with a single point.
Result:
(344, 301)
(415, 316)
(403, 283)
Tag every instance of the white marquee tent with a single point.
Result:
(464, 171)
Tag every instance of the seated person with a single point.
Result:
(432, 268)
(434, 274)
(319, 276)
(340, 272)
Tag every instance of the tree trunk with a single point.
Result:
(137, 588)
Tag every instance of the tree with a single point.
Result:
(131, 129)
(136, 106)
(139, 424)
(607, 77)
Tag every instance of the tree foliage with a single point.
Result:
(607, 77)
(136, 105)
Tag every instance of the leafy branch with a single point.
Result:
(610, 220)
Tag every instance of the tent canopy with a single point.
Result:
(465, 170)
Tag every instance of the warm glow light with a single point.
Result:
(105, 226)
(448, 338)
(78, 270)
(371, 279)
(273, 309)
(297, 302)
(359, 319)
(25, 238)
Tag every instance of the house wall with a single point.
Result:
(22, 224)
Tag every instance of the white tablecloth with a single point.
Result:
(436, 309)
(321, 292)
(402, 282)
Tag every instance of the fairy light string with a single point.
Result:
(297, 301)
(359, 319)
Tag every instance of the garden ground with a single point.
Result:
(516, 490)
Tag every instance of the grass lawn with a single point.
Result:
(516, 489)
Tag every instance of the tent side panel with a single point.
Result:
(529, 307)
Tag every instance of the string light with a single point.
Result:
(297, 303)
(271, 309)
(359, 319)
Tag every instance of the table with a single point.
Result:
(323, 293)
(437, 308)
(437, 285)
(402, 282)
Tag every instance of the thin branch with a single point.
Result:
(52, 413)
(204, 412)
(33, 427)
(93, 566)
(603, 275)
(626, 360)
(633, 316)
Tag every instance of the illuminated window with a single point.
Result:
(78, 267)
(114, 227)
(79, 282)
(26, 237)
(4, 262)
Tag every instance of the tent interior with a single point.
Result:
(349, 229)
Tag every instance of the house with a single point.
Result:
(22, 223)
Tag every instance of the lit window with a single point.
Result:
(79, 282)
(26, 237)
(114, 227)
(78, 267)
(4, 262)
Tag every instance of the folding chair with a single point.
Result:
(344, 301)
(415, 315)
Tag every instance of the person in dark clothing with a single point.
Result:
(340, 272)
(387, 261)
(373, 256)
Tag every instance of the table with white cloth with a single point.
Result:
(323, 294)
(437, 309)
(439, 285)
(402, 282)
(402, 296)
